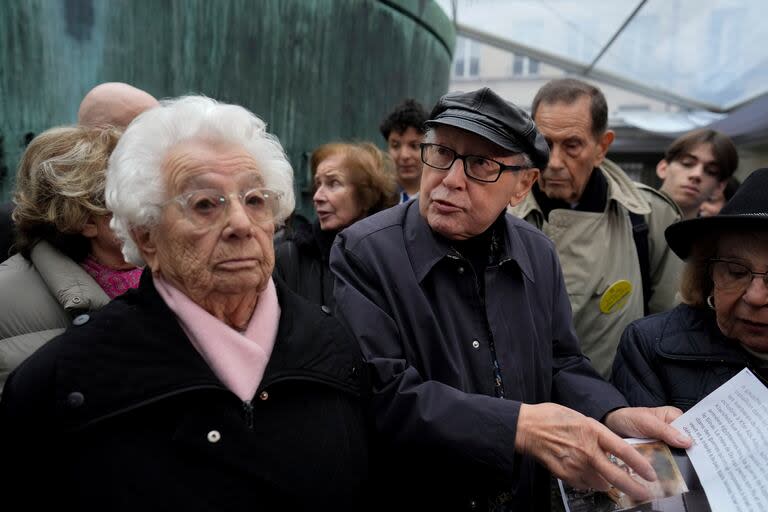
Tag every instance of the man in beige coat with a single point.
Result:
(584, 203)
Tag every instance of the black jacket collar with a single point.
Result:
(593, 199)
(692, 334)
(426, 248)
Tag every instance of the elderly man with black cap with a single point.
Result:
(462, 314)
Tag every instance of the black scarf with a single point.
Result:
(593, 198)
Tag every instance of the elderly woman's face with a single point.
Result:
(742, 311)
(206, 254)
(335, 199)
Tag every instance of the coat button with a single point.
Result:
(473, 504)
(76, 300)
(214, 436)
(263, 395)
(75, 400)
(475, 344)
(460, 270)
(325, 309)
(81, 319)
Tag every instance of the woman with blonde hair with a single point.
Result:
(69, 262)
(351, 181)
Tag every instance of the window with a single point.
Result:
(524, 66)
(466, 62)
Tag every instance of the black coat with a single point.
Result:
(7, 235)
(301, 260)
(122, 413)
(677, 358)
(451, 364)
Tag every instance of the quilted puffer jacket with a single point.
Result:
(39, 298)
(677, 358)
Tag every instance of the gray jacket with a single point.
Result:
(39, 298)
(597, 251)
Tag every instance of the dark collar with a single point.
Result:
(426, 248)
(593, 199)
(692, 334)
(311, 238)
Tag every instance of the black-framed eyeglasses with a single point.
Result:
(478, 168)
(731, 275)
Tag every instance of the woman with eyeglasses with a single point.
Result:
(351, 181)
(680, 356)
(212, 386)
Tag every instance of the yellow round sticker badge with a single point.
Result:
(615, 296)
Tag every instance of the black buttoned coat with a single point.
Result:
(452, 361)
(122, 413)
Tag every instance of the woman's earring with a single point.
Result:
(711, 302)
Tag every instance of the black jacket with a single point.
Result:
(7, 234)
(301, 260)
(677, 358)
(122, 413)
(452, 361)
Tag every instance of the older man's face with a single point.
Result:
(574, 149)
(228, 256)
(458, 207)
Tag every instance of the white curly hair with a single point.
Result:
(135, 189)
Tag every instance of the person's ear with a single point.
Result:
(603, 143)
(661, 169)
(145, 241)
(523, 186)
(89, 229)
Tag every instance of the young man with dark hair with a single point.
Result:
(403, 129)
(695, 167)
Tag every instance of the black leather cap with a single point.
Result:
(487, 114)
(746, 210)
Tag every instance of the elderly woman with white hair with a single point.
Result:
(212, 386)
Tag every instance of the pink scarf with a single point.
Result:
(113, 282)
(237, 359)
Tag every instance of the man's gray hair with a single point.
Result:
(135, 189)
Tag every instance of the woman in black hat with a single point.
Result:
(680, 356)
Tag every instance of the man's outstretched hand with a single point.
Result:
(574, 447)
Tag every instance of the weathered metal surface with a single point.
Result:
(315, 70)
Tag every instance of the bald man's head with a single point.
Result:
(113, 103)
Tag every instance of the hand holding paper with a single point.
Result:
(648, 422)
(573, 447)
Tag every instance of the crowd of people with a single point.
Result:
(487, 304)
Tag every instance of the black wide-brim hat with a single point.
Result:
(746, 210)
(487, 114)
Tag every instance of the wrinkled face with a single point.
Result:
(231, 256)
(743, 314)
(335, 197)
(458, 207)
(405, 151)
(574, 151)
(692, 178)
